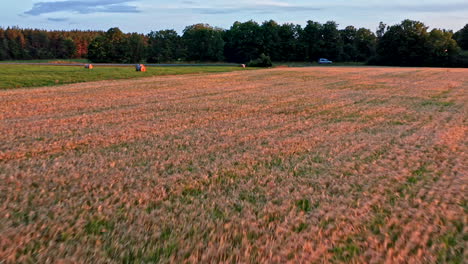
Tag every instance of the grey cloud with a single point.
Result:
(52, 19)
(83, 7)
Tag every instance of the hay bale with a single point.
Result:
(88, 66)
(140, 68)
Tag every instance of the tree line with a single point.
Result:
(409, 43)
(31, 44)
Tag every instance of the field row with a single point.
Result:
(303, 165)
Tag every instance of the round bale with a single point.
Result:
(140, 68)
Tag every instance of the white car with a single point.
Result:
(324, 61)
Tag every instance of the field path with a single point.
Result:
(300, 165)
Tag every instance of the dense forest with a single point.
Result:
(28, 44)
(409, 43)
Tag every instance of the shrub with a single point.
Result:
(374, 60)
(262, 61)
(461, 60)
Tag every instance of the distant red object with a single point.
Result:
(140, 68)
(89, 66)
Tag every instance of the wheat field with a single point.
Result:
(290, 165)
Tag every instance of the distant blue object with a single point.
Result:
(324, 61)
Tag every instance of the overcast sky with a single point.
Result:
(147, 15)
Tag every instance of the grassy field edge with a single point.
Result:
(27, 76)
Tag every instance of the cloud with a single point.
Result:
(83, 7)
(436, 8)
(262, 7)
(264, 10)
(189, 2)
(52, 19)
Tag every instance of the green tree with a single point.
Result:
(97, 50)
(16, 43)
(63, 48)
(271, 40)
(135, 48)
(332, 44)
(244, 42)
(365, 44)
(164, 46)
(404, 44)
(348, 37)
(289, 45)
(116, 45)
(312, 40)
(381, 30)
(203, 43)
(3, 46)
(38, 44)
(442, 47)
(462, 37)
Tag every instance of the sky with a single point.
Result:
(144, 16)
